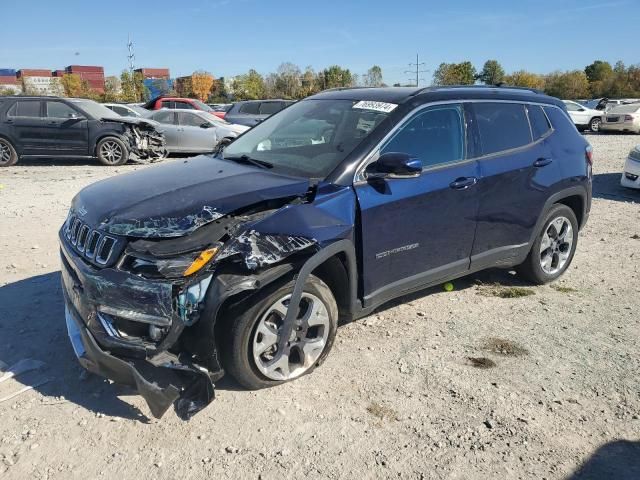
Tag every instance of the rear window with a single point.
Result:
(25, 109)
(502, 126)
(269, 108)
(539, 121)
(250, 108)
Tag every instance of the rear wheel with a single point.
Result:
(594, 124)
(250, 349)
(554, 247)
(112, 152)
(8, 154)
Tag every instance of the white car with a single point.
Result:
(126, 110)
(631, 174)
(583, 117)
(624, 118)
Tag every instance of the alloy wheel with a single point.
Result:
(304, 346)
(111, 151)
(595, 125)
(556, 245)
(5, 152)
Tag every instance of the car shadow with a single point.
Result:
(618, 460)
(607, 186)
(32, 326)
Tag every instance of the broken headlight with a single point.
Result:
(173, 267)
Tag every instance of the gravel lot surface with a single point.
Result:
(446, 385)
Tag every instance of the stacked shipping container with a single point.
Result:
(93, 75)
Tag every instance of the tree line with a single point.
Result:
(599, 79)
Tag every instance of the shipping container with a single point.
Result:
(7, 72)
(162, 73)
(8, 79)
(33, 72)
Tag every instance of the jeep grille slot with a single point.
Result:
(95, 246)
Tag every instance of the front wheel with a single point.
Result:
(594, 125)
(112, 152)
(250, 344)
(554, 247)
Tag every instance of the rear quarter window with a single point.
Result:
(539, 122)
(502, 126)
(560, 121)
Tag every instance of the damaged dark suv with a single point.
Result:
(73, 128)
(246, 261)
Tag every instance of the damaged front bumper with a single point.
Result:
(96, 300)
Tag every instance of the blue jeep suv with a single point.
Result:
(246, 261)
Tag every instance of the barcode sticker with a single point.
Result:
(376, 106)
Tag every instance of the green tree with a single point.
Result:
(492, 73)
(336, 77)
(112, 89)
(249, 86)
(71, 84)
(598, 71)
(463, 73)
(567, 85)
(373, 77)
(308, 83)
(287, 80)
(522, 78)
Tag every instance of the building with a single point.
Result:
(93, 75)
(38, 82)
(10, 82)
(154, 73)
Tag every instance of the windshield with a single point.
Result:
(311, 137)
(95, 109)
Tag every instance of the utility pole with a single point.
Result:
(417, 71)
(131, 56)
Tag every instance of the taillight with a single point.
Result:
(588, 154)
(628, 118)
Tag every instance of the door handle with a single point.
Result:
(541, 162)
(53, 123)
(463, 183)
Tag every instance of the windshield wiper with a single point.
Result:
(246, 159)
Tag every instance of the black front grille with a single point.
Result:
(95, 246)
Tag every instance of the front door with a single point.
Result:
(195, 138)
(64, 130)
(419, 230)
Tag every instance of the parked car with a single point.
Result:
(220, 109)
(194, 131)
(176, 102)
(127, 110)
(252, 112)
(623, 118)
(631, 174)
(244, 261)
(73, 128)
(583, 117)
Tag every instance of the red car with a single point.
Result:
(176, 102)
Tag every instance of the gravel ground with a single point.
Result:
(457, 385)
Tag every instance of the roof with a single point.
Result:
(401, 95)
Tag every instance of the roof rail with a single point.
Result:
(452, 87)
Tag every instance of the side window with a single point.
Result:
(560, 121)
(167, 104)
(164, 116)
(25, 109)
(251, 108)
(186, 105)
(269, 108)
(502, 126)
(189, 119)
(121, 111)
(539, 122)
(60, 110)
(436, 136)
(572, 107)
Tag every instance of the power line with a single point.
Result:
(417, 71)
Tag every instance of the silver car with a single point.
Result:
(193, 131)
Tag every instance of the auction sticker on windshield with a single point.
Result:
(375, 106)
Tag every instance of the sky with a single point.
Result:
(228, 37)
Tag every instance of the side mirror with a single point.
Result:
(395, 165)
(205, 125)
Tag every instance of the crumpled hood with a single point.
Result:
(175, 198)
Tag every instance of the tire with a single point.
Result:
(544, 265)
(8, 154)
(594, 124)
(242, 335)
(112, 152)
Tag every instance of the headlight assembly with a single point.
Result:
(183, 265)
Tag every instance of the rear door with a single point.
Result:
(26, 124)
(418, 230)
(169, 126)
(65, 130)
(194, 137)
(517, 174)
